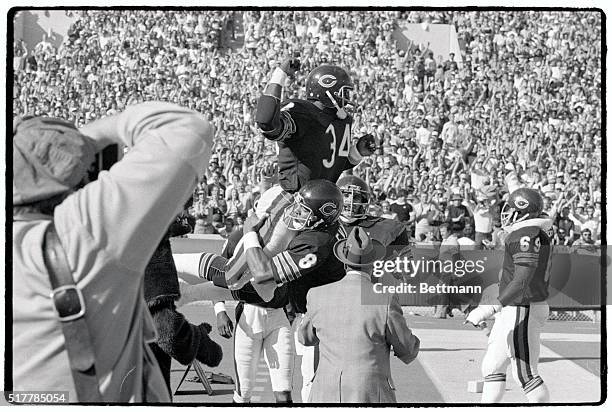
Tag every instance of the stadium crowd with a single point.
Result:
(522, 101)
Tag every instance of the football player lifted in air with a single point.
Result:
(312, 217)
(520, 309)
(307, 262)
(313, 135)
(314, 141)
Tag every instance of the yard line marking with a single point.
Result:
(572, 337)
(567, 381)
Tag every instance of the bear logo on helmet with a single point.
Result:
(329, 209)
(327, 81)
(521, 202)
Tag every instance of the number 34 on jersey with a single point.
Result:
(341, 150)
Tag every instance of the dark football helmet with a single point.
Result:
(318, 203)
(522, 204)
(331, 85)
(356, 195)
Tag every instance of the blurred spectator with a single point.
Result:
(565, 225)
(425, 215)
(387, 213)
(401, 208)
(457, 212)
(585, 239)
(204, 227)
(484, 212)
(562, 238)
(523, 96)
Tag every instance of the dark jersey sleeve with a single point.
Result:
(284, 127)
(307, 252)
(524, 268)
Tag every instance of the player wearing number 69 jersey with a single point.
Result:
(314, 135)
(521, 309)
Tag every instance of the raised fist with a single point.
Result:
(290, 66)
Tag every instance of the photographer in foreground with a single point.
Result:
(105, 233)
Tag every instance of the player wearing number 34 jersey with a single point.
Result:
(521, 309)
(314, 135)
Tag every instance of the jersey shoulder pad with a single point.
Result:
(312, 240)
(369, 221)
(391, 225)
(305, 113)
(384, 230)
(298, 106)
(527, 231)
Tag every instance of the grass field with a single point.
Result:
(450, 356)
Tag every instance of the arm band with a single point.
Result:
(219, 307)
(278, 77)
(276, 83)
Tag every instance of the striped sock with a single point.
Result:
(495, 377)
(534, 383)
(536, 391)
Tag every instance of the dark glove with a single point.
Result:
(290, 66)
(210, 352)
(366, 145)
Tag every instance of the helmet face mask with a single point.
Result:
(509, 215)
(355, 196)
(318, 203)
(299, 216)
(522, 204)
(343, 96)
(355, 202)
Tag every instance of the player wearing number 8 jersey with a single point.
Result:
(314, 141)
(308, 261)
(312, 218)
(521, 309)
